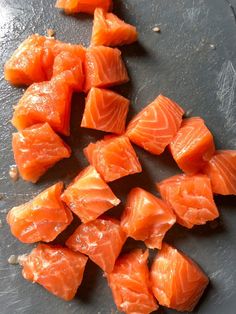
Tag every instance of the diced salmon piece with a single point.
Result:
(41, 219)
(146, 218)
(26, 64)
(193, 145)
(221, 169)
(104, 67)
(105, 111)
(85, 6)
(109, 30)
(101, 239)
(113, 157)
(190, 197)
(48, 101)
(56, 268)
(33, 60)
(88, 196)
(36, 149)
(155, 126)
(130, 285)
(65, 61)
(177, 281)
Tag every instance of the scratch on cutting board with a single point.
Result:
(226, 82)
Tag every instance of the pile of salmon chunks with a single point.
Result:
(54, 70)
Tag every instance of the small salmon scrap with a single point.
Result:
(33, 60)
(109, 30)
(193, 145)
(130, 285)
(177, 281)
(85, 6)
(105, 111)
(146, 218)
(113, 157)
(41, 219)
(221, 169)
(48, 101)
(56, 268)
(155, 126)
(104, 67)
(190, 197)
(89, 196)
(101, 239)
(36, 149)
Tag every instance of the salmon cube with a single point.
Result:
(101, 239)
(36, 149)
(177, 281)
(105, 111)
(146, 218)
(104, 67)
(41, 219)
(155, 126)
(109, 30)
(113, 157)
(193, 145)
(130, 285)
(56, 268)
(89, 196)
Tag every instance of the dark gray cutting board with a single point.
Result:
(180, 62)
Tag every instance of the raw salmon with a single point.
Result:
(48, 101)
(146, 218)
(56, 268)
(130, 285)
(104, 67)
(88, 196)
(26, 64)
(36, 149)
(42, 218)
(193, 145)
(109, 30)
(105, 111)
(190, 197)
(69, 55)
(177, 281)
(85, 6)
(101, 239)
(156, 125)
(221, 169)
(33, 60)
(65, 61)
(113, 157)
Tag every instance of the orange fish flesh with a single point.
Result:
(146, 218)
(85, 6)
(56, 268)
(130, 284)
(88, 196)
(155, 126)
(48, 101)
(33, 60)
(193, 145)
(177, 281)
(101, 239)
(41, 219)
(104, 67)
(36, 149)
(190, 197)
(109, 30)
(221, 169)
(113, 157)
(105, 111)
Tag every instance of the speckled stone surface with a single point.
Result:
(191, 60)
